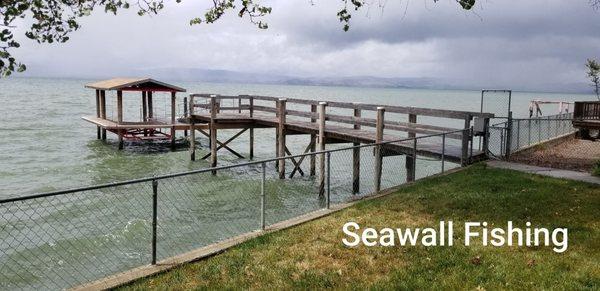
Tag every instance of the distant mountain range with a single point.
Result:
(226, 76)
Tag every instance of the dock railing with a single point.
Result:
(587, 110)
(62, 239)
(362, 115)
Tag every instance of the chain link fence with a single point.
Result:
(518, 133)
(64, 239)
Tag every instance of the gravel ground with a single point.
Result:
(576, 154)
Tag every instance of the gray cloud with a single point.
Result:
(516, 44)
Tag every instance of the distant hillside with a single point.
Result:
(225, 76)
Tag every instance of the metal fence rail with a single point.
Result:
(66, 238)
(518, 133)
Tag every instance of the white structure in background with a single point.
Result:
(534, 105)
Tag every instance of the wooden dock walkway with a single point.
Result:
(284, 115)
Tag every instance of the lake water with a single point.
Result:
(45, 145)
(62, 241)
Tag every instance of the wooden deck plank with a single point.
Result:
(111, 125)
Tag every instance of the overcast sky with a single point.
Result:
(503, 43)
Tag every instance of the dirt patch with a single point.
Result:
(574, 154)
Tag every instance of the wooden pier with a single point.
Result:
(283, 114)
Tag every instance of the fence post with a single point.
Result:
(443, 150)
(413, 168)
(529, 130)
(154, 216)
(509, 127)
(539, 122)
(518, 133)
(262, 196)
(328, 197)
(251, 137)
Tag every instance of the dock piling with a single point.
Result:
(120, 116)
(98, 129)
(412, 118)
(214, 107)
(103, 110)
(356, 156)
(281, 146)
(378, 148)
(322, 140)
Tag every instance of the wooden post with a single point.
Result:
(103, 110)
(185, 114)
(281, 136)
(378, 149)
(214, 107)
(251, 137)
(120, 116)
(150, 106)
(98, 130)
(486, 136)
(144, 110)
(313, 141)
(410, 160)
(322, 140)
(144, 107)
(356, 157)
(465, 141)
(192, 131)
(173, 99)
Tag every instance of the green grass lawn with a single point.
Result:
(596, 169)
(312, 255)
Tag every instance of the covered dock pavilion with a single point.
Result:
(148, 126)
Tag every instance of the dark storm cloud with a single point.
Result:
(517, 44)
(395, 22)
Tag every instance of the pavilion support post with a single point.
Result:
(173, 99)
(322, 140)
(120, 116)
(98, 129)
(281, 136)
(356, 156)
(144, 110)
(464, 159)
(214, 107)
(119, 106)
(150, 106)
(410, 160)
(313, 141)
(251, 133)
(103, 110)
(379, 124)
